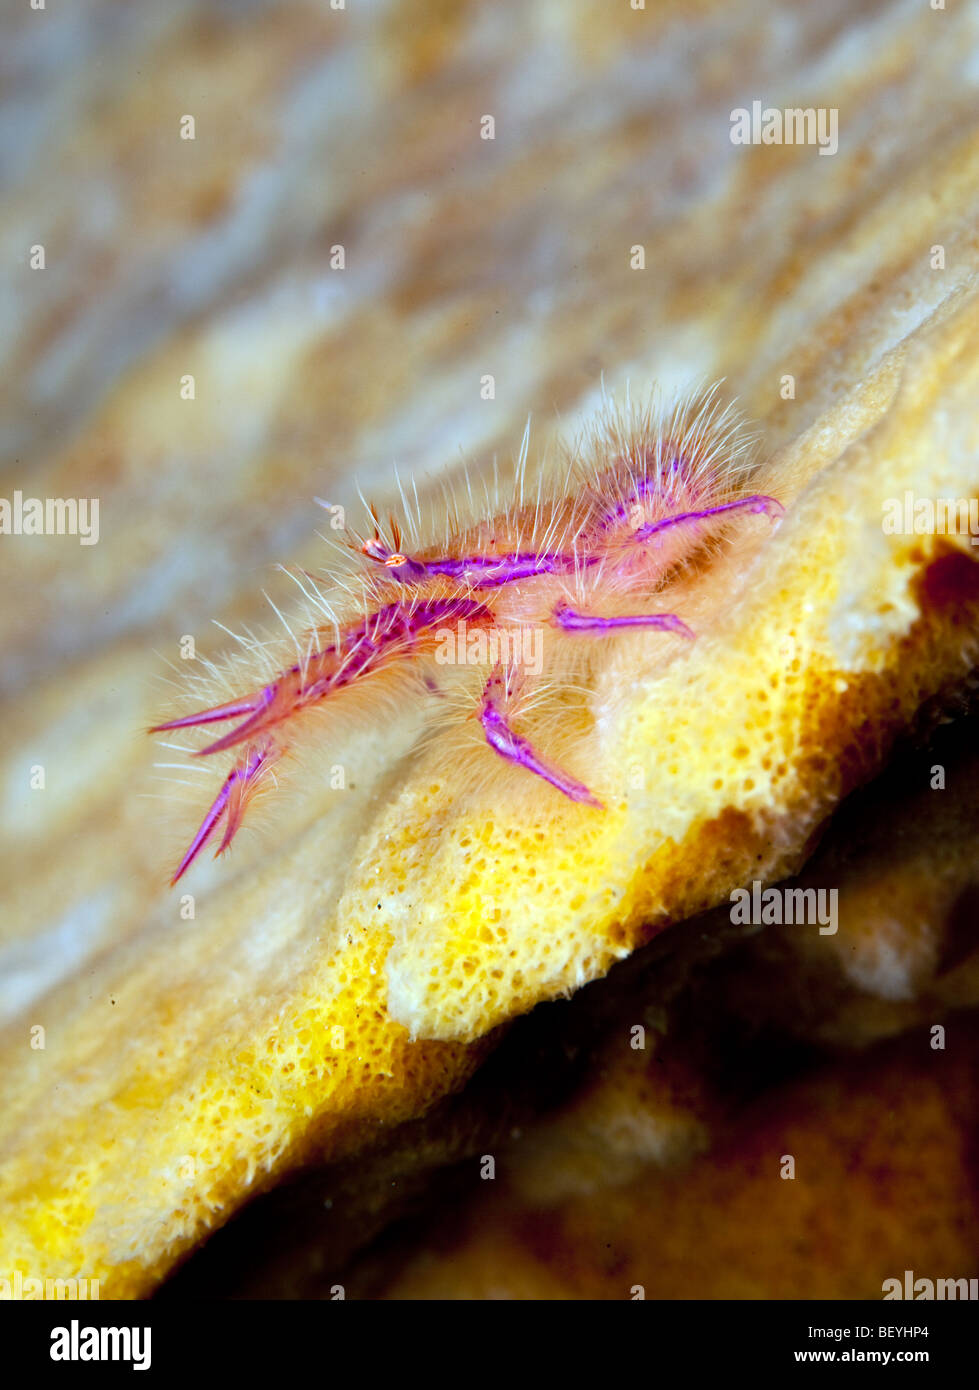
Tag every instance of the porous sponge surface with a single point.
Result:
(815, 648)
(342, 984)
(204, 1097)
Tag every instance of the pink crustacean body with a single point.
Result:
(584, 557)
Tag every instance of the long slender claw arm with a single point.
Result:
(570, 620)
(231, 800)
(364, 647)
(758, 503)
(214, 715)
(264, 715)
(505, 741)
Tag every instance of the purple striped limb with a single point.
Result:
(495, 571)
(570, 620)
(757, 503)
(232, 710)
(229, 804)
(364, 647)
(497, 699)
(478, 571)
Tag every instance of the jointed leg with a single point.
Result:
(758, 503)
(498, 697)
(364, 648)
(230, 802)
(570, 620)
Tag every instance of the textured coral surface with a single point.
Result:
(346, 967)
(640, 1131)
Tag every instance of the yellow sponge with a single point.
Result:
(186, 1069)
